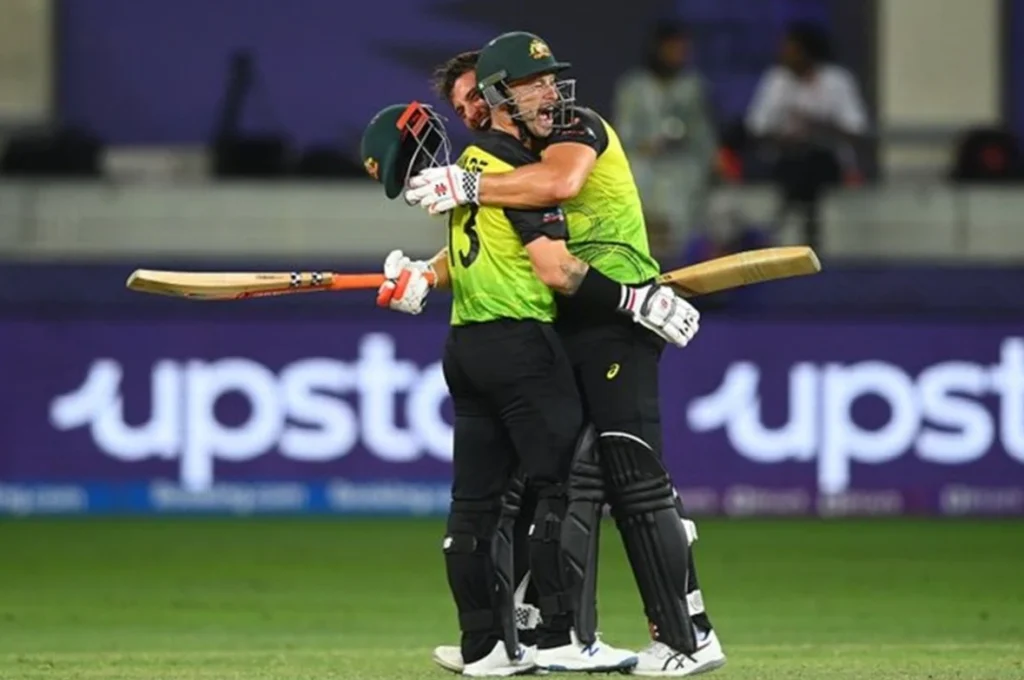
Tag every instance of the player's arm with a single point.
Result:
(559, 175)
(565, 165)
(658, 308)
(544, 233)
(439, 265)
(560, 270)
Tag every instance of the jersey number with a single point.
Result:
(468, 257)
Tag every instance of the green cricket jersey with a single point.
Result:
(491, 273)
(606, 220)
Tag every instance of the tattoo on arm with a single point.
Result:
(575, 270)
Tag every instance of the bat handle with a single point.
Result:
(365, 281)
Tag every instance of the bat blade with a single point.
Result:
(742, 269)
(243, 285)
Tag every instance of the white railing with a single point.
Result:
(353, 219)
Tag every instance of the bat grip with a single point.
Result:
(365, 281)
(356, 281)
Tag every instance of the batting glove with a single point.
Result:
(660, 310)
(407, 284)
(438, 190)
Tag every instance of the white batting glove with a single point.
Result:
(660, 310)
(438, 190)
(407, 284)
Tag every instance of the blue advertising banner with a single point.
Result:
(352, 416)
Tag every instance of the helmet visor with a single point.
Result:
(539, 98)
(424, 141)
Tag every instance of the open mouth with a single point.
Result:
(546, 114)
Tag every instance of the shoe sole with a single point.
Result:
(706, 667)
(457, 670)
(514, 672)
(624, 668)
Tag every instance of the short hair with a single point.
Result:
(670, 29)
(447, 73)
(812, 39)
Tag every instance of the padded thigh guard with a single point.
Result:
(644, 507)
(503, 557)
(581, 532)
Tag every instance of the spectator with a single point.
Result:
(808, 111)
(662, 116)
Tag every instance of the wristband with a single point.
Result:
(471, 187)
(601, 293)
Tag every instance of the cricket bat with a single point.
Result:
(731, 271)
(742, 269)
(243, 285)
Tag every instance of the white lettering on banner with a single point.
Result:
(740, 501)
(30, 500)
(938, 416)
(240, 499)
(861, 503)
(966, 500)
(299, 411)
(412, 499)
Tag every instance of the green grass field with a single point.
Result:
(293, 599)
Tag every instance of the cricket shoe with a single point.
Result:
(578, 657)
(497, 663)
(449, 657)
(660, 660)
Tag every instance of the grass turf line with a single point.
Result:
(265, 599)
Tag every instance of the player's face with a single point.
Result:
(469, 106)
(536, 100)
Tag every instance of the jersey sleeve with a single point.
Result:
(587, 128)
(505, 148)
(532, 224)
(528, 224)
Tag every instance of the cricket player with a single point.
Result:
(512, 387)
(581, 163)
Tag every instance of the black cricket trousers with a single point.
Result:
(517, 410)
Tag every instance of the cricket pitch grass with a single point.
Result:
(296, 599)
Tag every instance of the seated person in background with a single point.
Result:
(809, 111)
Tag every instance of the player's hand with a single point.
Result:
(407, 284)
(661, 310)
(438, 190)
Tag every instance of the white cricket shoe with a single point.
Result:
(596, 658)
(449, 657)
(658, 659)
(497, 663)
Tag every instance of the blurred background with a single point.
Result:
(223, 135)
